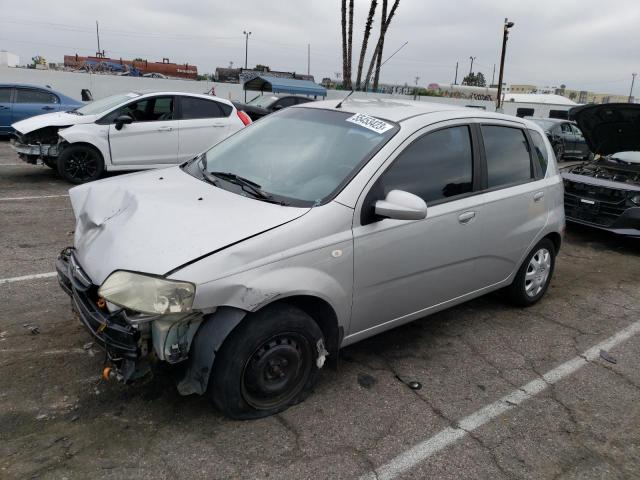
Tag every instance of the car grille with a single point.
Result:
(609, 203)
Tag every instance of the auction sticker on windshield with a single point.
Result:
(372, 123)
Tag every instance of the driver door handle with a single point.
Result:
(538, 196)
(466, 217)
(48, 108)
(165, 129)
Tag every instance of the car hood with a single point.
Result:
(609, 128)
(56, 119)
(156, 221)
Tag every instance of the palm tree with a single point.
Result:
(376, 59)
(365, 41)
(347, 44)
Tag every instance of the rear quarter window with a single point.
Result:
(541, 155)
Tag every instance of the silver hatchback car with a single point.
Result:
(314, 228)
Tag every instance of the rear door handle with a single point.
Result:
(218, 125)
(165, 129)
(48, 108)
(538, 196)
(466, 217)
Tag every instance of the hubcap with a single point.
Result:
(81, 165)
(537, 272)
(277, 371)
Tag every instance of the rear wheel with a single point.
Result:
(267, 364)
(533, 277)
(80, 164)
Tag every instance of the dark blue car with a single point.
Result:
(20, 101)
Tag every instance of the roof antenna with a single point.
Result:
(339, 105)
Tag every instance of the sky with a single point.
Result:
(584, 44)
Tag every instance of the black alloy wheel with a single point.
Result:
(80, 164)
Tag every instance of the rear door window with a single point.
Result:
(193, 108)
(27, 95)
(507, 156)
(434, 167)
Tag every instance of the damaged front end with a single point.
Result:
(605, 194)
(39, 146)
(132, 341)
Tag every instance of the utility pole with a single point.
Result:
(308, 59)
(471, 67)
(633, 80)
(493, 77)
(98, 36)
(505, 37)
(246, 48)
(455, 80)
(415, 91)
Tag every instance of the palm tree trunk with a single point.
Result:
(365, 41)
(383, 32)
(345, 59)
(349, 45)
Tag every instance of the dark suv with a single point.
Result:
(605, 192)
(263, 105)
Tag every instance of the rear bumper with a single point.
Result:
(120, 340)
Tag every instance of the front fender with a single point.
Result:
(91, 133)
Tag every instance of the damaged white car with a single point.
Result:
(131, 131)
(250, 266)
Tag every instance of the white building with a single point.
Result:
(8, 59)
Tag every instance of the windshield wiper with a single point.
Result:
(243, 182)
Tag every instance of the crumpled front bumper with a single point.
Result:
(120, 340)
(26, 151)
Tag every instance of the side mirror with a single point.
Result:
(277, 107)
(123, 120)
(401, 205)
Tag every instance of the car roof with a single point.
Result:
(553, 120)
(145, 93)
(398, 110)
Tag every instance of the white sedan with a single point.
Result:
(131, 131)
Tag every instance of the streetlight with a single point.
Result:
(471, 67)
(633, 80)
(505, 37)
(246, 47)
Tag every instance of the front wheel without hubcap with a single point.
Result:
(267, 363)
(80, 164)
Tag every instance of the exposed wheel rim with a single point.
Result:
(276, 371)
(537, 273)
(81, 165)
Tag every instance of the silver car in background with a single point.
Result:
(319, 226)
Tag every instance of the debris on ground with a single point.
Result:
(87, 346)
(606, 356)
(3, 335)
(365, 380)
(34, 329)
(412, 384)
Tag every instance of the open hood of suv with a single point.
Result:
(155, 221)
(609, 128)
(55, 119)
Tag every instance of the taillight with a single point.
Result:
(244, 117)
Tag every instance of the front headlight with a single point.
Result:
(147, 294)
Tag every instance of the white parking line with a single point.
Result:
(12, 199)
(27, 277)
(427, 448)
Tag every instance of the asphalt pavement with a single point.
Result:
(549, 392)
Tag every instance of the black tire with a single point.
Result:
(267, 364)
(525, 290)
(80, 164)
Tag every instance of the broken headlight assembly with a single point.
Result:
(147, 294)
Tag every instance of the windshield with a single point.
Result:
(262, 101)
(105, 104)
(299, 155)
